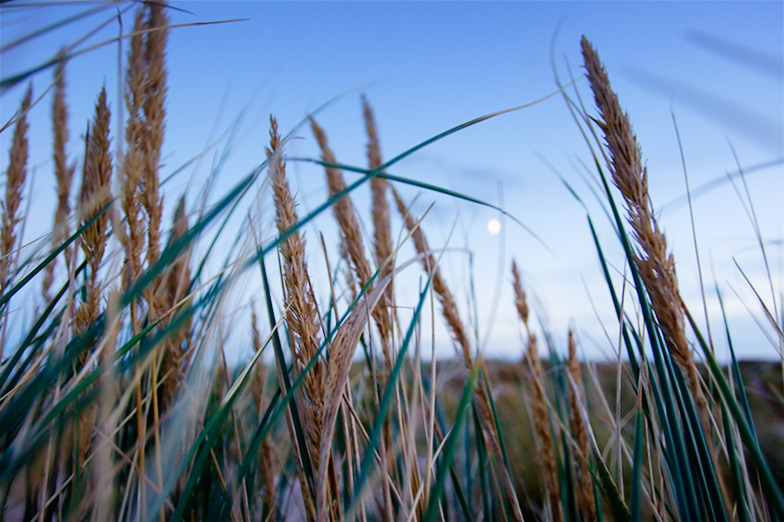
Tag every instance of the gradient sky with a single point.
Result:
(716, 67)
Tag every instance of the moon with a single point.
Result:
(493, 227)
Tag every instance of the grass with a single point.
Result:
(112, 406)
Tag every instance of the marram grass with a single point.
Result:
(117, 401)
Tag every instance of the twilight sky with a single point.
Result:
(716, 67)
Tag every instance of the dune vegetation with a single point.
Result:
(117, 401)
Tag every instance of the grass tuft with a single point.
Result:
(137, 384)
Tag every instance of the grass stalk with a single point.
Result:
(122, 394)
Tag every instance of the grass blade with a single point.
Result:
(450, 448)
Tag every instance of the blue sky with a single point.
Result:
(425, 67)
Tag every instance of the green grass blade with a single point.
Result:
(262, 430)
(466, 125)
(8, 82)
(484, 470)
(744, 400)
(708, 484)
(243, 473)
(56, 252)
(439, 414)
(60, 23)
(384, 404)
(772, 491)
(609, 490)
(635, 502)
(370, 173)
(738, 482)
(173, 251)
(450, 447)
(11, 362)
(685, 494)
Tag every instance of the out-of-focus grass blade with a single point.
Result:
(461, 498)
(201, 451)
(253, 448)
(56, 252)
(65, 21)
(7, 83)
(566, 477)
(172, 252)
(12, 361)
(78, 396)
(483, 471)
(486, 383)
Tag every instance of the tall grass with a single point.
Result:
(117, 401)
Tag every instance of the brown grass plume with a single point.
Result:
(584, 483)
(94, 196)
(154, 119)
(351, 236)
(301, 310)
(15, 179)
(131, 173)
(382, 236)
(541, 420)
(655, 265)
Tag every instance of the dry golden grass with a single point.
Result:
(520, 298)
(94, 198)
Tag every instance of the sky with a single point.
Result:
(712, 70)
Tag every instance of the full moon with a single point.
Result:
(494, 227)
